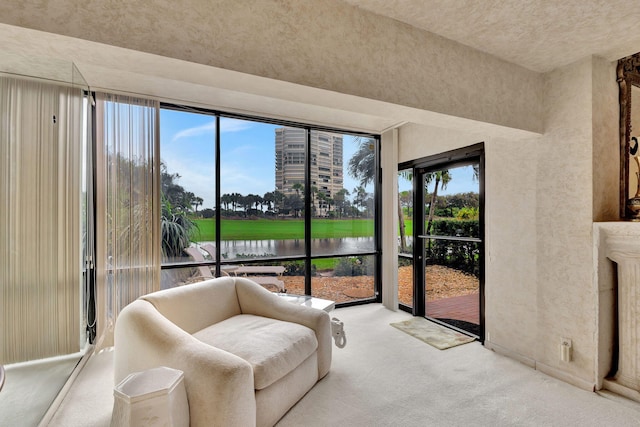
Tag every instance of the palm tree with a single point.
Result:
(362, 163)
(246, 202)
(314, 192)
(297, 187)
(197, 201)
(439, 178)
(339, 200)
(269, 199)
(322, 202)
(260, 201)
(235, 200)
(329, 201)
(225, 199)
(278, 201)
(408, 175)
(360, 195)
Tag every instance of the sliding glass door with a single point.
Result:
(447, 228)
(451, 243)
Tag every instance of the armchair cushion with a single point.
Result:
(272, 347)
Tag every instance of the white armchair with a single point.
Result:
(247, 355)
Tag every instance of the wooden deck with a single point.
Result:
(466, 308)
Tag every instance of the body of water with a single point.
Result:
(233, 249)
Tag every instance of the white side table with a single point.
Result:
(337, 327)
(309, 301)
(155, 397)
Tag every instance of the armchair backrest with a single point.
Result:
(198, 305)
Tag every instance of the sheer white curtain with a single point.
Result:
(40, 219)
(128, 205)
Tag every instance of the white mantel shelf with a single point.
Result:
(621, 244)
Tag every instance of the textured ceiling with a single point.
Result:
(540, 35)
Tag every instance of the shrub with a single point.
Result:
(455, 254)
(297, 268)
(208, 213)
(354, 266)
(403, 262)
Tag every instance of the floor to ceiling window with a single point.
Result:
(292, 206)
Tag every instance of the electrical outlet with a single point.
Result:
(566, 349)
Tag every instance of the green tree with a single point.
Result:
(269, 199)
(176, 229)
(407, 175)
(362, 163)
(314, 193)
(176, 195)
(439, 178)
(197, 201)
(278, 203)
(251, 200)
(322, 203)
(298, 188)
(235, 201)
(245, 203)
(359, 197)
(226, 200)
(340, 199)
(295, 204)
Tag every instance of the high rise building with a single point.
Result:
(326, 163)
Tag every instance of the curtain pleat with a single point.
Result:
(128, 246)
(40, 219)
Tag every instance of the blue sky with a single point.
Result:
(247, 156)
(462, 181)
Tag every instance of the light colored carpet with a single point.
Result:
(433, 334)
(386, 378)
(89, 402)
(31, 387)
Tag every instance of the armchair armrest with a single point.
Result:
(254, 299)
(219, 384)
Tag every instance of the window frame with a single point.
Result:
(307, 257)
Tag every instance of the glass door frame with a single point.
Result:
(460, 157)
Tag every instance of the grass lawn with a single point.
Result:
(281, 229)
(408, 227)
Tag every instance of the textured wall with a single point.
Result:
(511, 238)
(564, 210)
(606, 135)
(320, 43)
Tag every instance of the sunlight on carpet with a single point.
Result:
(433, 334)
(31, 387)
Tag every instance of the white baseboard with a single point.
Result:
(546, 369)
(566, 377)
(511, 354)
(621, 390)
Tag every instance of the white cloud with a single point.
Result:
(233, 125)
(195, 131)
(226, 125)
